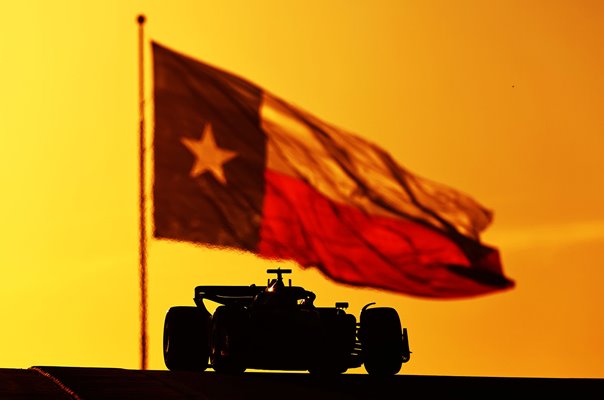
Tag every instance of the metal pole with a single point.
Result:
(142, 198)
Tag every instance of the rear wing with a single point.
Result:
(226, 295)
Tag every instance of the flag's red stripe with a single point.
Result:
(356, 248)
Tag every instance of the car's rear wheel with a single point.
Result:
(227, 340)
(381, 340)
(186, 339)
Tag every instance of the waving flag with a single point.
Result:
(238, 167)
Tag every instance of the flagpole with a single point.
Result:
(142, 197)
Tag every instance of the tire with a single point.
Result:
(227, 340)
(381, 339)
(186, 339)
(335, 345)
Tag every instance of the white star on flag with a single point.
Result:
(208, 156)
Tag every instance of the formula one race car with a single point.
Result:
(277, 327)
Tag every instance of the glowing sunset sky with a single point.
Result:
(503, 100)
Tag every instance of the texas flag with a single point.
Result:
(238, 167)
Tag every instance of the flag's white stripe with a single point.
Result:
(294, 150)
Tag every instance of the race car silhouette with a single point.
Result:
(278, 327)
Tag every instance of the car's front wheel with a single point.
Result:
(334, 345)
(227, 340)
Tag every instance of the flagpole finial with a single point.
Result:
(141, 19)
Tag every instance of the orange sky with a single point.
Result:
(502, 100)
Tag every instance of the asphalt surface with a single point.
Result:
(69, 383)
